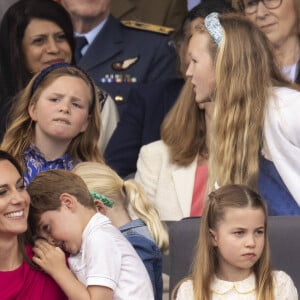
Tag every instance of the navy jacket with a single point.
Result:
(140, 123)
(121, 57)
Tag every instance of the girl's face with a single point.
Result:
(14, 201)
(279, 24)
(44, 43)
(201, 68)
(62, 110)
(239, 240)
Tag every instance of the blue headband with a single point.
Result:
(45, 72)
(214, 28)
(53, 67)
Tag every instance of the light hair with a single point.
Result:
(20, 132)
(45, 191)
(184, 130)
(205, 264)
(103, 180)
(245, 73)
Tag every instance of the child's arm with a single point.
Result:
(52, 260)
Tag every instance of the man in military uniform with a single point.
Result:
(120, 56)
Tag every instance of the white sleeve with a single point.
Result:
(284, 288)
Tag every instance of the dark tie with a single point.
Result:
(81, 41)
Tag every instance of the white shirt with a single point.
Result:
(284, 289)
(107, 259)
(91, 35)
(281, 143)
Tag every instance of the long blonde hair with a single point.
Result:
(102, 179)
(245, 72)
(205, 263)
(20, 132)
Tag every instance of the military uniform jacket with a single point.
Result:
(121, 57)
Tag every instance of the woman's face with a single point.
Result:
(14, 201)
(201, 68)
(279, 24)
(183, 47)
(44, 43)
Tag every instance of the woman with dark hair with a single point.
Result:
(48, 29)
(19, 279)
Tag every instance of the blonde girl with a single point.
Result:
(233, 256)
(145, 233)
(253, 118)
(55, 121)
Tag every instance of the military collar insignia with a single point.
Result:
(125, 64)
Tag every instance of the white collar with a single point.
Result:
(245, 286)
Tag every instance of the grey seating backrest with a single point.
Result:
(284, 237)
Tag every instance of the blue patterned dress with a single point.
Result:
(36, 163)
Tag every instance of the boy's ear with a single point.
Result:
(68, 200)
(213, 237)
(100, 206)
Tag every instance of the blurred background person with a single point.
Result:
(117, 56)
(280, 21)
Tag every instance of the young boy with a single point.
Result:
(105, 264)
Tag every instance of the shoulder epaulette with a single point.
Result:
(147, 26)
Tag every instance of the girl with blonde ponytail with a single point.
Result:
(147, 234)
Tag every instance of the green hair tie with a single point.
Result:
(105, 201)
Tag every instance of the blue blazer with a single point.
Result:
(140, 123)
(272, 188)
(121, 57)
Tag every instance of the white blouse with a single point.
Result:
(284, 289)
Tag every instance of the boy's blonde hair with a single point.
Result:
(103, 180)
(20, 132)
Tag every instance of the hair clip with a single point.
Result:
(105, 201)
(213, 26)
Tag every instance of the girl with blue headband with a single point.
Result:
(56, 121)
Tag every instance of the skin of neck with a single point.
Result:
(10, 256)
(288, 53)
(84, 25)
(51, 149)
(118, 215)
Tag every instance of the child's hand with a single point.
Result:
(50, 258)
